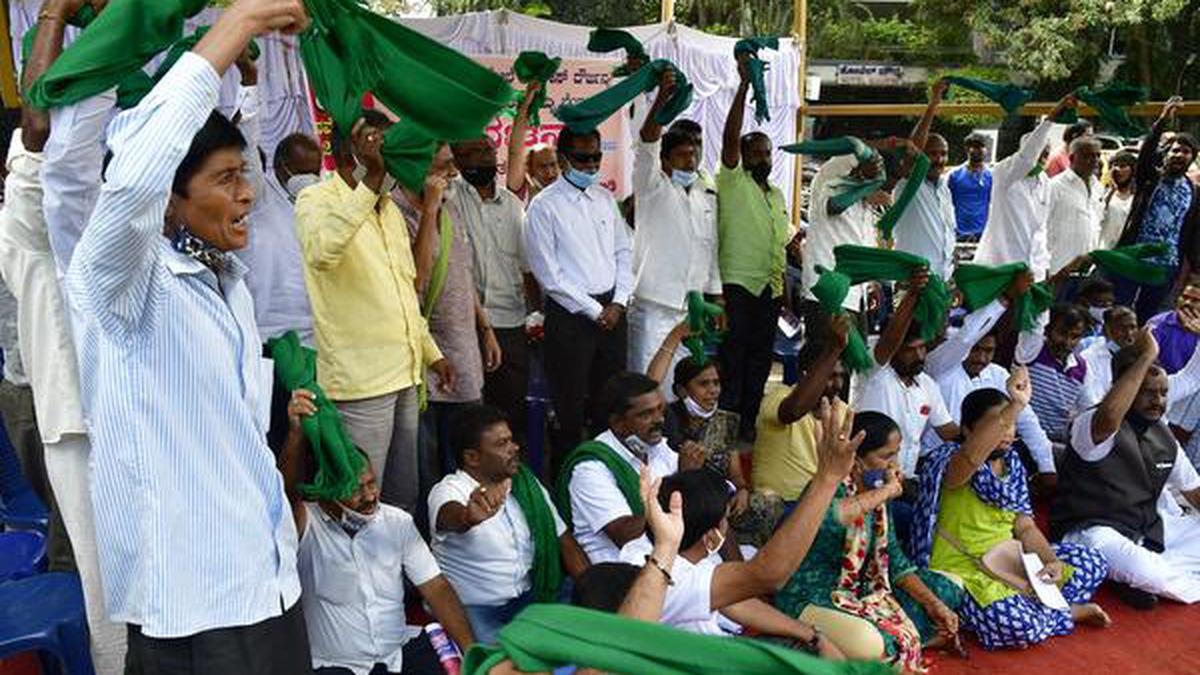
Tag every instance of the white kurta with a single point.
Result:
(1016, 229)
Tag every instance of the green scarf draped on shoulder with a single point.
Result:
(531, 66)
(1133, 262)
(887, 223)
(339, 461)
(628, 481)
(863, 263)
(545, 637)
(981, 284)
(585, 116)
(758, 71)
(1010, 96)
(547, 562)
(831, 290)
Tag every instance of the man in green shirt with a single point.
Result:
(753, 231)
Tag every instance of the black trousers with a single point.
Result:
(507, 386)
(276, 646)
(745, 354)
(420, 658)
(580, 357)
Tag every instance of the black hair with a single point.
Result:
(217, 134)
(1080, 128)
(689, 369)
(1093, 285)
(468, 426)
(1124, 158)
(619, 391)
(1115, 311)
(691, 127)
(705, 501)
(673, 139)
(913, 332)
(749, 138)
(289, 146)
(878, 427)
(339, 139)
(1125, 359)
(603, 586)
(975, 138)
(566, 138)
(977, 403)
(1070, 316)
(1184, 138)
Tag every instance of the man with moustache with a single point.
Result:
(971, 189)
(927, 227)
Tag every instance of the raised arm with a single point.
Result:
(805, 396)
(920, 133)
(731, 138)
(651, 129)
(988, 432)
(954, 350)
(515, 171)
(425, 244)
(893, 335)
(661, 363)
(649, 592)
(1030, 152)
(1116, 404)
(293, 462)
(1146, 171)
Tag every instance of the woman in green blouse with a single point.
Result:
(856, 584)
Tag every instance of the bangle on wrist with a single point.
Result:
(47, 15)
(651, 560)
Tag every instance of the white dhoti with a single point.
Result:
(649, 324)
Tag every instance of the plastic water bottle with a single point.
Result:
(446, 650)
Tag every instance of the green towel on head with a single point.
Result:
(831, 290)
(585, 116)
(1133, 262)
(606, 40)
(545, 637)
(887, 223)
(113, 47)
(531, 66)
(339, 461)
(628, 481)
(981, 284)
(863, 263)
(1010, 96)
(701, 318)
(437, 92)
(1109, 102)
(547, 562)
(758, 70)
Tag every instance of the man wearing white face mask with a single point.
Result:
(674, 238)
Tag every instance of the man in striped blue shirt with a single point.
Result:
(196, 539)
(1056, 372)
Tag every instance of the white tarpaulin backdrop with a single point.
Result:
(706, 59)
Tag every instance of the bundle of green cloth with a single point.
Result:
(1134, 262)
(605, 40)
(981, 284)
(702, 320)
(338, 461)
(831, 290)
(545, 637)
(535, 66)
(848, 190)
(758, 71)
(1008, 95)
(585, 116)
(864, 263)
(887, 223)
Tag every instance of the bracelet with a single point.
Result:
(651, 560)
(47, 15)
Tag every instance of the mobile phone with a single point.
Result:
(874, 478)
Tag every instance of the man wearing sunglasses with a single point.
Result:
(579, 251)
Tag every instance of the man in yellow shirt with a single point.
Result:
(372, 343)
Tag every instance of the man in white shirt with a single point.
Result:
(927, 227)
(597, 486)
(1118, 480)
(898, 386)
(484, 538)
(579, 251)
(353, 557)
(1016, 229)
(1074, 208)
(963, 364)
(675, 236)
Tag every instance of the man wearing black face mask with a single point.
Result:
(752, 234)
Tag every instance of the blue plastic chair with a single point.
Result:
(20, 507)
(22, 554)
(787, 352)
(44, 613)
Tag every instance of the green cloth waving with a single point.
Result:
(1132, 262)
(758, 71)
(544, 637)
(887, 223)
(847, 190)
(531, 66)
(339, 461)
(701, 318)
(606, 40)
(585, 116)
(981, 284)
(628, 481)
(135, 87)
(863, 263)
(1010, 96)
(831, 290)
(547, 564)
(120, 40)
(1109, 102)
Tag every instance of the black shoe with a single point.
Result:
(1136, 598)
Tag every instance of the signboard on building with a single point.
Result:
(870, 74)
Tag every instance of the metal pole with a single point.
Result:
(668, 11)
(800, 44)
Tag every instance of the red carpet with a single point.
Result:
(1163, 641)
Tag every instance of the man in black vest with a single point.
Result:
(1113, 480)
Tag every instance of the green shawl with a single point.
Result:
(830, 291)
(847, 191)
(606, 40)
(531, 66)
(547, 564)
(1132, 262)
(1010, 96)
(981, 284)
(585, 116)
(863, 263)
(113, 48)
(701, 318)
(135, 87)
(1109, 102)
(758, 69)
(887, 223)
(628, 481)
(544, 637)
(339, 462)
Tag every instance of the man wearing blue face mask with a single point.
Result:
(579, 251)
(674, 237)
